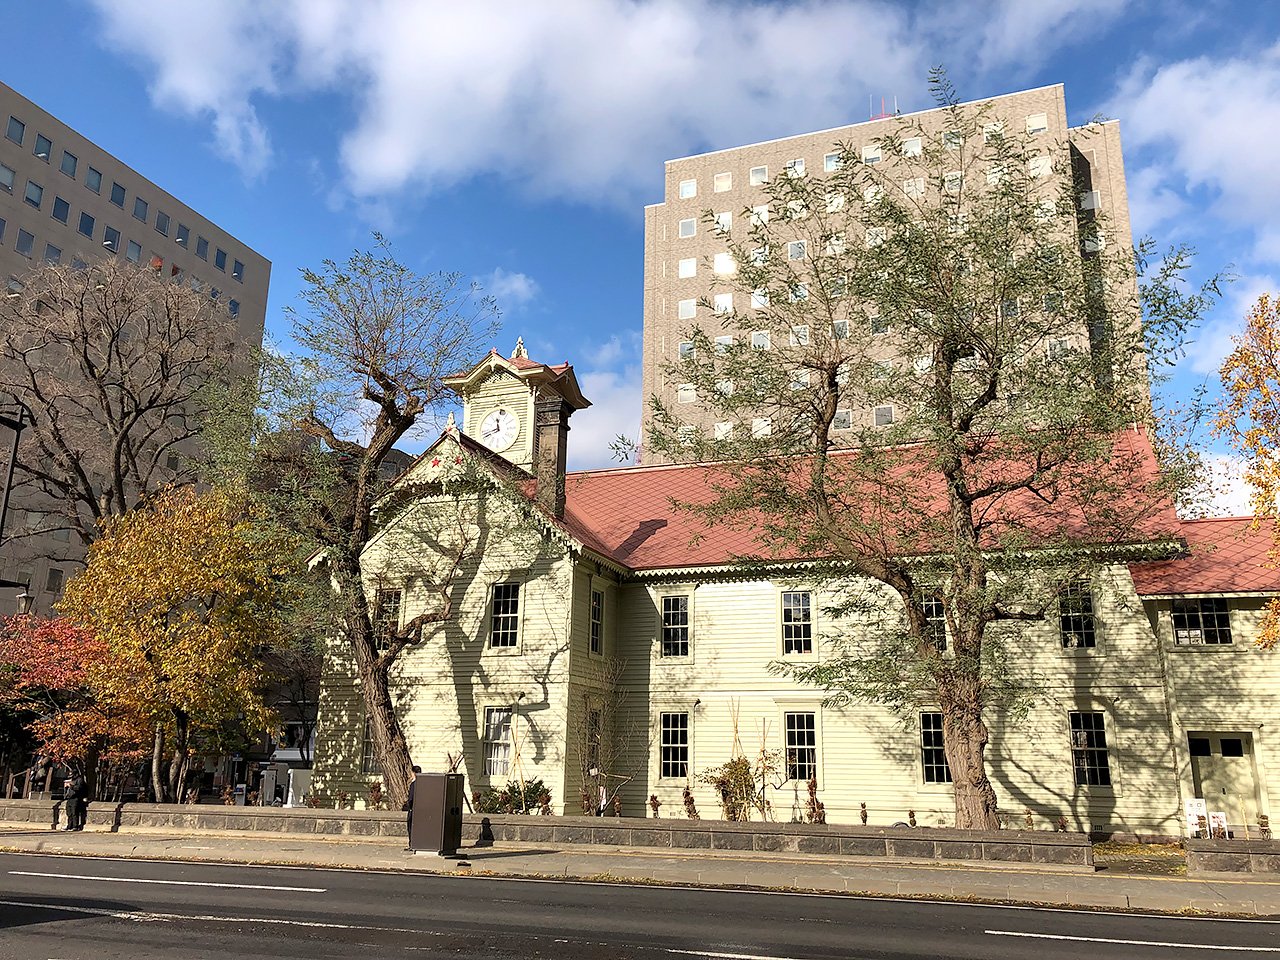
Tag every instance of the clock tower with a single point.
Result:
(519, 408)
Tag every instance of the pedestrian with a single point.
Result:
(408, 804)
(76, 801)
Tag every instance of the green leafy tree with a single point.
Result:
(931, 360)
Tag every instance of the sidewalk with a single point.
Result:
(1105, 889)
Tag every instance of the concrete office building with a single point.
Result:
(681, 266)
(67, 200)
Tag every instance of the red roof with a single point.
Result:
(1225, 555)
(628, 514)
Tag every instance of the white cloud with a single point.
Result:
(614, 410)
(1152, 201)
(1230, 493)
(511, 289)
(1211, 122)
(1016, 29)
(1213, 342)
(576, 98)
(626, 346)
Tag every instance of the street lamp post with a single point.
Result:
(16, 426)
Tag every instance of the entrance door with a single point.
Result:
(1222, 764)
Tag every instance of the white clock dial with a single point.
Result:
(499, 430)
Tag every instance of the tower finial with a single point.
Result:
(452, 425)
(520, 352)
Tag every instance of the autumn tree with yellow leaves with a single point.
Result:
(1249, 418)
(184, 596)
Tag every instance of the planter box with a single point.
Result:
(1233, 856)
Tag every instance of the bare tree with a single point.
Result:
(115, 365)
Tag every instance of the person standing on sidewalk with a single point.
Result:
(408, 804)
(76, 801)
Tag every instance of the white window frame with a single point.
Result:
(722, 303)
(816, 747)
(875, 415)
(661, 648)
(912, 147)
(686, 393)
(759, 301)
(1040, 166)
(761, 427)
(808, 626)
(760, 215)
(1037, 123)
(831, 162)
(872, 153)
(514, 646)
(688, 228)
(796, 249)
(723, 430)
(724, 342)
(687, 267)
(992, 131)
(722, 183)
(724, 221)
(595, 622)
(761, 339)
(687, 190)
(687, 747)
(723, 264)
(913, 187)
(835, 201)
(843, 420)
(686, 309)
(496, 751)
(758, 176)
(794, 168)
(799, 335)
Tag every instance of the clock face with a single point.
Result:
(499, 429)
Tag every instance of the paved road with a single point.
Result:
(68, 908)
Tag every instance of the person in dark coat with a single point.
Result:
(408, 804)
(77, 801)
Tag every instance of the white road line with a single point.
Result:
(722, 956)
(1132, 943)
(168, 917)
(171, 883)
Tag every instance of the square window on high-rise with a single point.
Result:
(237, 271)
(134, 252)
(233, 308)
(800, 335)
(722, 303)
(26, 243)
(795, 250)
(1037, 123)
(759, 299)
(52, 254)
(86, 225)
(183, 236)
(952, 181)
(117, 195)
(7, 176)
(722, 182)
(760, 215)
(686, 350)
(839, 329)
(162, 222)
(912, 147)
(722, 264)
(724, 343)
(688, 227)
(760, 340)
(140, 208)
(724, 221)
(723, 430)
(16, 130)
(794, 168)
(686, 268)
(871, 153)
(843, 420)
(758, 176)
(69, 163)
(111, 239)
(43, 148)
(685, 309)
(761, 427)
(913, 187)
(1040, 166)
(953, 140)
(882, 416)
(61, 210)
(688, 189)
(34, 194)
(831, 163)
(202, 248)
(992, 131)
(93, 180)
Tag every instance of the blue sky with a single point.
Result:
(518, 142)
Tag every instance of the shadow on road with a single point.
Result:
(22, 910)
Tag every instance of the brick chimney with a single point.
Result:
(551, 444)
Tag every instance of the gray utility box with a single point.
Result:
(435, 819)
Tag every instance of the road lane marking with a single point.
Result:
(722, 956)
(171, 883)
(207, 918)
(1132, 943)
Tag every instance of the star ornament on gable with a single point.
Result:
(435, 462)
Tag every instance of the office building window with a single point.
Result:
(688, 227)
(6, 178)
(69, 163)
(34, 194)
(800, 379)
(722, 264)
(688, 189)
(497, 741)
(117, 195)
(724, 343)
(871, 154)
(760, 215)
(831, 163)
(674, 746)
(794, 168)
(843, 420)
(111, 239)
(1037, 123)
(724, 221)
(761, 427)
(1040, 166)
(935, 621)
(933, 755)
(802, 745)
(93, 180)
(2, 226)
(839, 329)
(386, 615)
(953, 140)
(134, 252)
(220, 260)
(675, 626)
(237, 271)
(26, 243)
(1089, 749)
(882, 416)
(723, 430)
(162, 222)
(800, 335)
(16, 130)
(759, 300)
(686, 393)
(61, 210)
(368, 755)
(797, 621)
(202, 248)
(686, 268)
(43, 148)
(53, 582)
(233, 306)
(504, 618)
(52, 254)
(140, 209)
(685, 309)
(1201, 621)
(758, 176)
(952, 181)
(912, 147)
(913, 187)
(1076, 620)
(597, 621)
(760, 339)
(722, 182)
(686, 350)
(722, 303)
(183, 235)
(86, 225)
(795, 249)
(798, 292)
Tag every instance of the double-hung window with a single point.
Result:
(935, 621)
(933, 755)
(674, 746)
(1206, 620)
(1076, 621)
(504, 617)
(386, 615)
(802, 745)
(368, 755)
(597, 621)
(497, 741)
(797, 621)
(675, 626)
(1089, 754)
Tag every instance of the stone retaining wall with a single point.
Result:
(1058, 850)
(1233, 856)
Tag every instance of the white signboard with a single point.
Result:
(1196, 808)
(1217, 824)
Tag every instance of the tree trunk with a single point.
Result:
(179, 761)
(964, 738)
(157, 764)
(389, 744)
